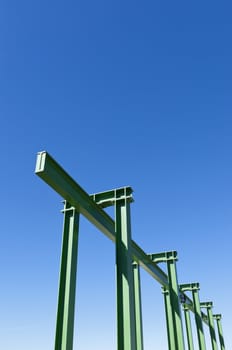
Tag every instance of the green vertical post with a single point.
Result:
(219, 327)
(170, 258)
(67, 286)
(197, 308)
(126, 328)
(208, 305)
(194, 287)
(138, 307)
(174, 296)
(188, 327)
(169, 320)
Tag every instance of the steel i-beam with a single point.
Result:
(194, 288)
(138, 307)
(170, 259)
(209, 305)
(119, 198)
(218, 317)
(67, 287)
(188, 327)
(169, 319)
(126, 326)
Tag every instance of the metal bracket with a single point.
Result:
(217, 317)
(67, 207)
(164, 256)
(207, 304)
(109, 198)
(189, 286)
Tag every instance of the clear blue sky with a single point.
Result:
(120, 93)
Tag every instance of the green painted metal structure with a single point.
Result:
(129, 259)
(194, 287)
(188, 327)
(67, 288)
(209, 305)
(218, 317)
(172, 297)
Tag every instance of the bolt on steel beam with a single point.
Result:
(218, 317)
(194, 288)
(67, 286)
(209, 305)
(170, 259)
(188, 327)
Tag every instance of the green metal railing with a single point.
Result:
(129, 258)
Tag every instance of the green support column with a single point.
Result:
(67, 286)
(169, 319)
(194, 287)
(220, 334)
(126, 327)
(170, 258)
(138, 307)
(188, 327)
(209, 305)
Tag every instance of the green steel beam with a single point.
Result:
(169, 319)
(188, 327)
(194, 287)
(126, 325)
(138, 307)
(67, 286)
(170, 259)
(218, 317)
(209, 305)
(174, 296)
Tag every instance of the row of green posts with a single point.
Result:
(129, 259)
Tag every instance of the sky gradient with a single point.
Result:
(120, 94)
